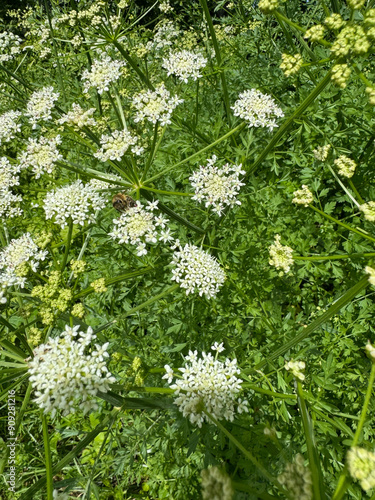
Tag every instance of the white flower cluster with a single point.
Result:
(361, 465)
(138, 226)
(369, 210)
(184, 64)
(280, 256)
(8, 178)
(9, 125)
(321, 152)
(257, 109)
(19, 253)
(217, 187)
(303, 196)
(40, 105)
(297, 479)
(78, 117)
(73, 201)
(9, 46)
(65, 376)
(207, 384)
(103, 72)
(346, 166)
(114, 146)
(157, 105)
(216, 484)
(297, 368)
(196, 269)
(164, 33)
(371, 271)
(41, 155)
(370, 351)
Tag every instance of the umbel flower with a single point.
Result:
(207, 384)
(257, 108)
(73, 201)
(369, 210)
(78, 117)
(303, 196)
(10, 45)
(216, 484)
(217, 187)
(297, 368)
(40, 105)
(196, 269)
(9, 126)
(103, 72)
(297, 479)
(138, 226)
(41, 154)
(114, 146)
(8, 179)
(371, 271)
(185, 64)
(155, 105)
(291, 64)
(280, 256)
(346, 166)
(321, 152)
(361, 465)
(65, 375)
(16, 259)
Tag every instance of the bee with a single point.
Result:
(122, 202)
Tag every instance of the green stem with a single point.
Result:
(336, 221)
(334, 257)
(133, 64)
(283, 129)
(268, 392)
(67, 245)
(343, 186)
(189, 158)
(47, 453)
(360, 199)
(173, 193)
(152, 151)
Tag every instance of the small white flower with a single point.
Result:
(9, 178)
(155, 105)
(257, 108)
(114, 146)
(185, 64)
(103, 72)
(10, 46)
(9, 125)
(218, 347)
(41, 154)
(41, 104)
(297, 368)
(169, 374)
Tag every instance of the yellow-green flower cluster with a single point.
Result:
(356, 4)
(361, 465)
(99, 285)
(340, 74)
(369, 210)
(303, 196)
(268, 6)
(370, 351)
(346, 166)
(280, 256)
(334, 22)
(297, 480)
(78, 310)
(315, 33)
(321, 152)
(216, 484)
(34, 336)
(52, 297)
(351, 40)
(291, 64)
(43, 239)
(78, 267)
(371, 95)
(297, 368)
(371, 271)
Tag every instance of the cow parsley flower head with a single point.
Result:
(195, 269)
(139, 226)
(370, 351)
(66, 373)
(361, 465)
(10, 45)
(78, 117)
(216, 484)
(315, 33)
(114, 146)
(103, 72)
(297, 479)
(185, 64)
(346, 166)
(41, 154)
(16, 259)
(208, 384)
(321, 152)
(73, 201)
(280, 256)
(371, 271)
(257, 108)
(9, 125)
(9, 178)
(291, 64)
(303, 196)
(297, 368)
(217, 186)
(369, 210)
(155, 105)
(40, 105)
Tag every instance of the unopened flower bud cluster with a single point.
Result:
(371, 271)
(73, 201)
(40, 105)
(78, 267)
(9, 125)
(53, 297)
(356, 4)
(258, 109)
(8, 178)
(217, 186)
(340, 74)
(138, 226)
(371, 95)
(155, 105)
(370, 350)
(315, 33)
(207, 384)
(185, 64)
(66, 373)
(291, 64)
(334, 21)
(78, 117)
(369, 210)
(297, 479)
(99, 285)
(104, 71)
(216, 484)
(281, 256)
(321, 152)
(41, 155)
(114, 146)
(346, 167)
(296, 368)
(361, 465)
(195, 269)
(268, 6)
(351, 40)
(303, 196)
